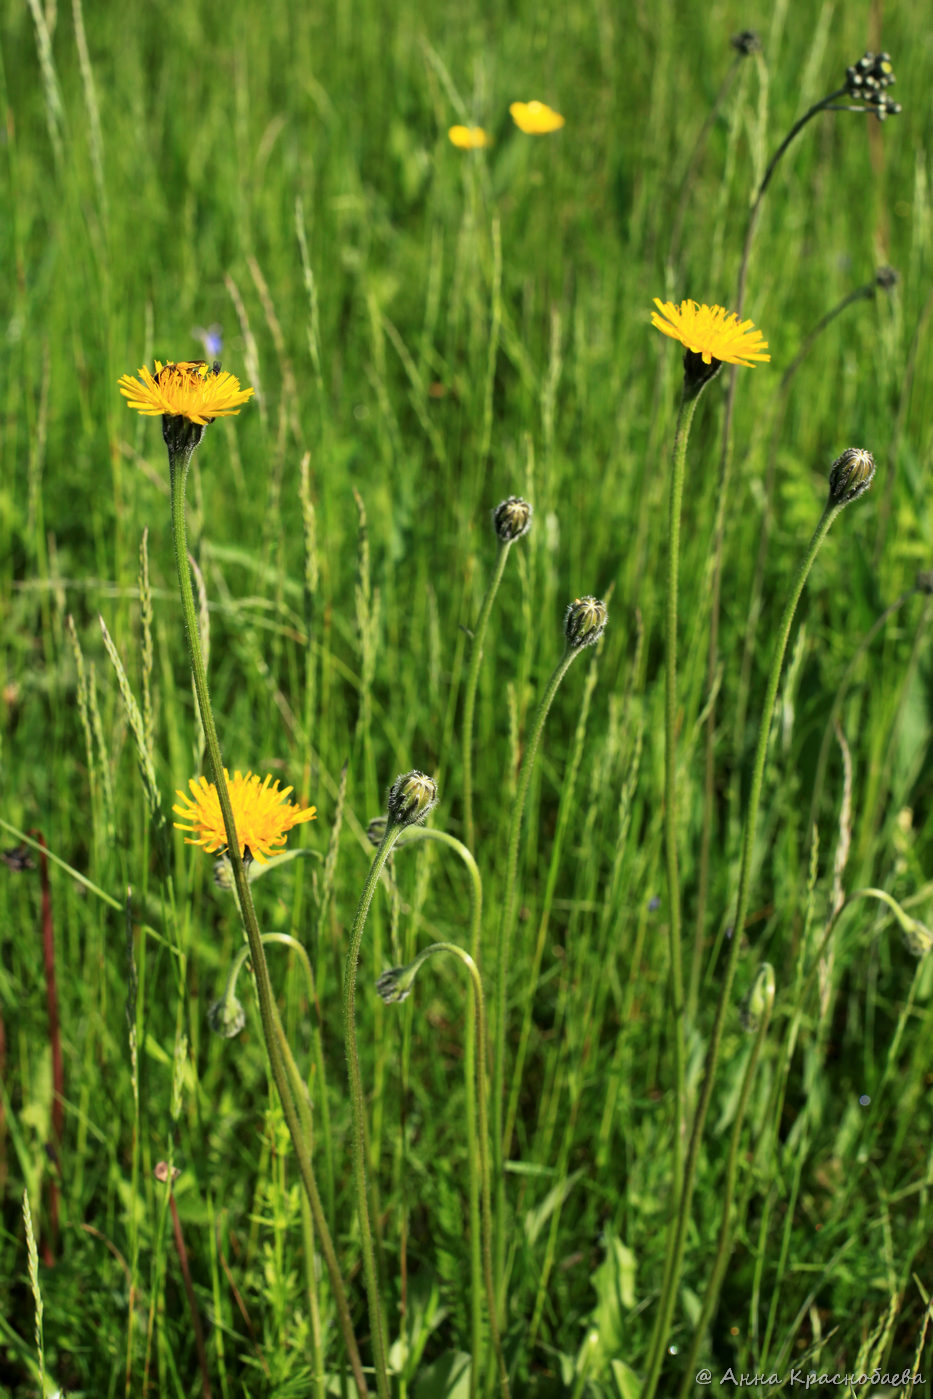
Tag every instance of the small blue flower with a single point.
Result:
(212, 339)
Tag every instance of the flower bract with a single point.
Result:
(189, 389)
(261, 814)
(712, 332)
(535, 118)
(469, 138)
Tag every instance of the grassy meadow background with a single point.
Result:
(429, 331)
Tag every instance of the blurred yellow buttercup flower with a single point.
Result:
(189, 389)
(535, 118)
(469, 138)
(711, 332)
(261, 814)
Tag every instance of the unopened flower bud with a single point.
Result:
(395, 984)
(512, 519)
(376, 830)
(851, 475)
(886, 278)
(760, 999)
(227, 1017)
(585, 622)
(411, 797)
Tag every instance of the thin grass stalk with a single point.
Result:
(469, 695)
(392, 832)
(568, 789)
(724, 1240)
(841, 695)
(678, 1232)
(503, 960)
(179, 464)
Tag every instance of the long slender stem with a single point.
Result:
(479, 1005)
(688, 405)
(725, 471)
(469, 696)
(179, 464)
(678, 1233)
(474, 1063)
(392, 833)
(724, 1241)
(503, 960)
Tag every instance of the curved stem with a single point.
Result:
(503, 958)
(479, 1005)
(179, 462)
(469, 696)
(392, 833)
(678, 1233)
(474, 1062)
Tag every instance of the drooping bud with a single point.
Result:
(411, 797)
(886, 278)
(512, 518)
(585, 622)
(395, 984)
(227, 1017)
(851, 475)
(376, 830)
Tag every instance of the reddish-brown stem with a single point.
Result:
(192, 1303)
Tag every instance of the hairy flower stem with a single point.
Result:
(688, 403)
(503, 960)
(725, 471)
(677, 1234)
(474, 1062)
(392, 832)
(469, 696)
(477, 1086)
(179, 464)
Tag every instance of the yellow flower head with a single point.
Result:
(535, 118)
(469, 138)
(187, 389)
(712, 332)
(261, 814)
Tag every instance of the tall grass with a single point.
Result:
(430, 331)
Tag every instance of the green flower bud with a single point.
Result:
(227, 1017)
(850, 475)
(376, 830)
(512, 518)
(760, 1000)
(585, 622)
(395, 984)
(411, 797)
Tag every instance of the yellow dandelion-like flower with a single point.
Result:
(712, 332)
(261, 814)
(469, 138)
(535, 118)
(189, 389)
